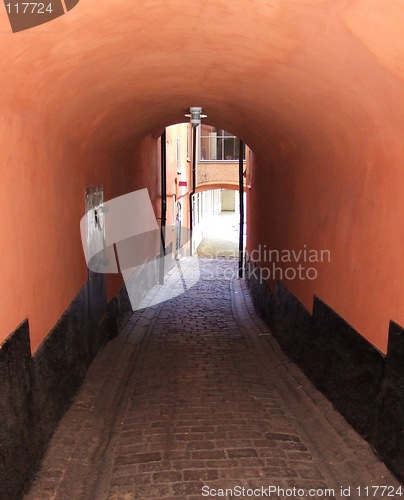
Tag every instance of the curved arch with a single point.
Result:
(314, 90)
(224, 185)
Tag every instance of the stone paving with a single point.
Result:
(195, 397)
(221, 236)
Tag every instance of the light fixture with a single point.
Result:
(195, 115)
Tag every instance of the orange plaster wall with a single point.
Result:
(174, 190)
(348, 200)
(41, 204)
(44, 176)
(138, 169)
(314, 87)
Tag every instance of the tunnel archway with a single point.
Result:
(314, 87)
(317, 97)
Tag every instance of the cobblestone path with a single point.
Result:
(195, 397)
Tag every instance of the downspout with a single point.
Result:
(163, 206)
(193, 183)
(195, 115)
(241, 195)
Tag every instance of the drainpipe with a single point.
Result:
(193, 183)
(163, 206)
(241, 193)
(195, 115)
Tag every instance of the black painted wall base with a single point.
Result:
(36, 391)
(16, 413)
(365, 386)
(119, 311)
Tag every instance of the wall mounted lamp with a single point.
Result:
(195, 115)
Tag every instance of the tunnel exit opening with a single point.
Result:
(207, 166)
(219, 231)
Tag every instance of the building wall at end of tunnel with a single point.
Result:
(178, 171)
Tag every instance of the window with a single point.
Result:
(218, 145)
